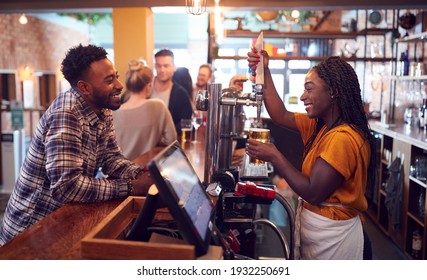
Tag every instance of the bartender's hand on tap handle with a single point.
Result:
(254, 57)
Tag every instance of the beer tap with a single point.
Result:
(258, 80)
(258, 100)
(220, 105)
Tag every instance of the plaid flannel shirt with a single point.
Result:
(71, 142)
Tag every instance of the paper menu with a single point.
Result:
(259, 45)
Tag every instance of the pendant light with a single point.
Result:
(195, 7)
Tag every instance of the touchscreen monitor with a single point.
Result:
(182, 192)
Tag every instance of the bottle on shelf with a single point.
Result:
(401, 64)
(422, 204)
(423, 114)
(419, 67)
(416, 244)
(413, 67)
(406, 63)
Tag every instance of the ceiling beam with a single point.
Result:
(54, 5)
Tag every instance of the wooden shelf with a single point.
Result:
(382, 192)
(419, 182)
(411, 218)
(375, 31)
(313, 58)
(416, 219)
(408, 78)
(309, 34)
(413, 38)
(291, 35)
(294, 57)
(384, 161)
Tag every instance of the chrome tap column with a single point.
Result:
(209, 101)
(220, 105)
(258, 100)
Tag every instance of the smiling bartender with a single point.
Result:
(74, 137)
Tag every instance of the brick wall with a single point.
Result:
(39, 44)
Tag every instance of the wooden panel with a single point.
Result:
(13, 5)
(403, 150)
(58, 235)
(11, 86)
(101, 242)
(47, 89)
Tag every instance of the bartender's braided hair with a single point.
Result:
(78, 60)
(342, 79)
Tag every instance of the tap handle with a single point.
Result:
(258, 99)
(258, 89)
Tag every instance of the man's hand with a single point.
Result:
(142, 183)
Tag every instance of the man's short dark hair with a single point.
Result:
(78, 60)
(207, 66)
(164, 52)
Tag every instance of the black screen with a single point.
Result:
(189, 192)
(182, 192)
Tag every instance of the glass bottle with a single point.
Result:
(422, 114)
(416, 244)
(421, 204)
(406, 63)
(400, 64)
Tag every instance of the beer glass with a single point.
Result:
(197, 120)
(261, 135)
(186, 128)
(421, 167)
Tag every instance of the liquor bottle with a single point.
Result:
(400, 64)
(422, 204)
(406, 63)
(422, 114)
(416, 244)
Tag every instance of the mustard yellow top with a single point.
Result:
(346, 151)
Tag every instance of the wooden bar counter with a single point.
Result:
(58, 236)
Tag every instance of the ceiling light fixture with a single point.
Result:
(195, 7)
(295, 14)
(23, 19)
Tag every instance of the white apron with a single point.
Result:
(318, 237)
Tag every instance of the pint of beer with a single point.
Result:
(186, 128)
(185, 134)
(261, 135)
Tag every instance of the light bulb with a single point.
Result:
(23, 19)
(195, 7)
(295, 14)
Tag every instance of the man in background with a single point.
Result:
(204, 77)
(173, 95)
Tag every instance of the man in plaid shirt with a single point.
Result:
(74, 138)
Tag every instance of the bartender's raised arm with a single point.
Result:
(274, 104)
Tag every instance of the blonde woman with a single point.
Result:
(142, 123)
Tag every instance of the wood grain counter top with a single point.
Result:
(58, 236)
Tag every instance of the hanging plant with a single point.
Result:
(91, 19)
